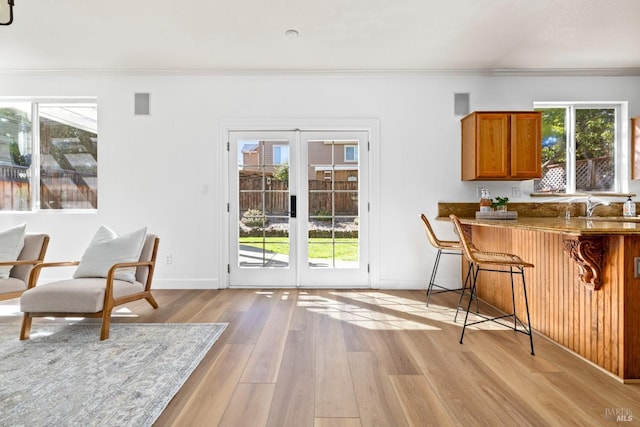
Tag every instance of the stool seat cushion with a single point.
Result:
(85, 295)
(449, 244)
(499, 258)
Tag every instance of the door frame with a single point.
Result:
(372, 126)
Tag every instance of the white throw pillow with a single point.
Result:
(11, 244)
(107, 249)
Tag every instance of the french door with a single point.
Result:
(298, 209)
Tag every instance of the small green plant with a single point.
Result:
(254, 218)
(281, 173)
(499, 201)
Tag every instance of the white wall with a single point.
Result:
(152, 169)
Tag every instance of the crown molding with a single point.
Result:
(530, 72)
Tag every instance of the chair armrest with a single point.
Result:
(57, 264)
(114, 267)
(108, 294)
(35, 272)
(20, 262)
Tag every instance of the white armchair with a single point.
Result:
(90, 296)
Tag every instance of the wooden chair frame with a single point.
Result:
(34, 262)
(109, 301)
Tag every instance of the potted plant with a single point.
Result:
(500, 203)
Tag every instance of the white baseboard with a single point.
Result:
(185, 284)
(415, 284)
(400, 284)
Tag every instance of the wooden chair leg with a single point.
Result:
(106, 323)
(26, 326)
(151, 300)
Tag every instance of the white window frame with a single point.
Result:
(355, 153)
(621, 143)
(36, 158)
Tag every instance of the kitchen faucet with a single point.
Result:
(592, 204)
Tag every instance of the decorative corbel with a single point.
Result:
(587, 252)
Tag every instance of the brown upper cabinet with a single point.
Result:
(502, 145)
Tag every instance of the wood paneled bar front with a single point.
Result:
(583, 292)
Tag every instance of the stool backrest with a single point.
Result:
(430, 234)
(465, 240)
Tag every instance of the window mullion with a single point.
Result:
(36, 158)
(570, 124)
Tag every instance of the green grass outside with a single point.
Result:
(346, 249)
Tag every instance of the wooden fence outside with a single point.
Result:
(591, 175)
(59, 189)
(271, 196)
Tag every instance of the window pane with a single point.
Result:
(595, 142)
(333, 205)
(69, 156)
(554, 151)
(263, 203)
(15, 156)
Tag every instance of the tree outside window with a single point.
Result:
(591, 133)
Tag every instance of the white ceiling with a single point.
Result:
(199, 36)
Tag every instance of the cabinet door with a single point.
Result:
(526, 145)
(492, 145)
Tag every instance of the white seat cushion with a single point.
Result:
(84, 295)
(11, 285)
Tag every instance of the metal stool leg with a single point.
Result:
(513, 299)
(434, 273)
(471, 295)
(526, 304)
(476, 270)
(432, 280)
(527, 328)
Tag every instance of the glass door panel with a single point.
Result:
(259, 212)
(325, 244)
(335, 249)
(263, 210)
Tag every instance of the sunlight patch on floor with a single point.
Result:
(123, 312)
(9, 310)
(391, 312)
(361, 316)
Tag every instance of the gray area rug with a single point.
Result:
(65, 376)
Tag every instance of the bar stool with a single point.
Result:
(446, 247)
(496, 262)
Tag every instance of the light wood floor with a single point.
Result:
(371, 358)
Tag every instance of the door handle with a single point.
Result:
(293, 207)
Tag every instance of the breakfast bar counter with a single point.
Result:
(583, 292)
(574, 226)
